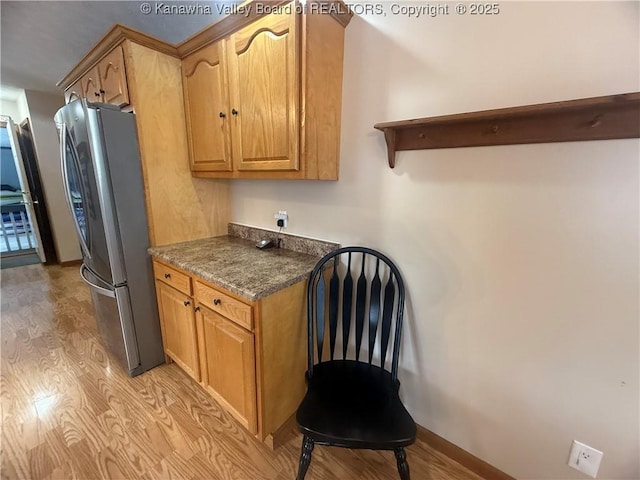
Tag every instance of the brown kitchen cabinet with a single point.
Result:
(74, 92)
(105, 82)
(241, 99)
(177, 319)
(227, 359)
(251, 355)
(90, 83)
(143, 73)
(113, 78)
(227, 351)
(265, 101)
(207, 109)
(264, 87)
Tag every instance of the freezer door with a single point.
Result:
(114, 320)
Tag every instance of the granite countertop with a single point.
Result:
(237, 265)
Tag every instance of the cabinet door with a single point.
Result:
(91, 85)
(265, 90)
(178, 328)
(113, 78)
(207, 109)
(228, 363)
(74, 92)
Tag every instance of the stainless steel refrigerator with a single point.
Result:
(104, 188)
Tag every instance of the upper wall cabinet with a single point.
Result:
(131, 68)
(265, 101)
(113, 78)
(105, 82)
(90, 84)
(264, 81)
(74, 92)
(207, 109)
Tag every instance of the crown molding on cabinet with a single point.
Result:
(108, 42)
(597, 118)
(248, 12)
(220, 29)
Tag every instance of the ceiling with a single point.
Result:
(42, 41)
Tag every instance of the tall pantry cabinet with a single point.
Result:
(179, 207)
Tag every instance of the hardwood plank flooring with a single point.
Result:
(69, 412)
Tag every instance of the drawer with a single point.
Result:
(173, 277)
(225, 305)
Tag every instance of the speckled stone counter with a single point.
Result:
(237, 265)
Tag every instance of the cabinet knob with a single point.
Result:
(217, 301)
(234, 111)
(186, 303)
(102, 91)
(197, 309)
(167, 275)
(222, 115)
(96, 94)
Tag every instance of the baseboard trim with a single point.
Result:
(286, 431)
(445, 447)
(464, 458)
(71, 263)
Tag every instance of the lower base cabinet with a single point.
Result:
(227, 361)
(178, 328)
(249, 356)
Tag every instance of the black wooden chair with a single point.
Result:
(350, 401)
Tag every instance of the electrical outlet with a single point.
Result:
(281, 215)
(585, 459)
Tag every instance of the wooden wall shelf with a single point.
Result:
(597, 118)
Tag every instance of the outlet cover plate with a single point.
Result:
(585, 459)
(282, 215)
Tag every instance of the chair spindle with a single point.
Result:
(387, 318)
(347, 299)
(320, 294)
(374, 309)
(334, 296)
(361, 297)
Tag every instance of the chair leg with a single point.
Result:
(305, 457)
(403, 466)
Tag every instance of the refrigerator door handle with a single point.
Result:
(67, 187)
(104, 291)
(63, 164)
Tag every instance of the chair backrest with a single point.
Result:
(355, 293)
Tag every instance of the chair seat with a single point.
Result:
(354, 405)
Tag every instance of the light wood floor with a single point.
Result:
(69, 412)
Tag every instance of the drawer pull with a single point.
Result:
(186, 303)
(167, 275)
(197, 309)
(217, 301)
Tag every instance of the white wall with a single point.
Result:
(9, 108)
(15, 106)
(42, 107)
(521, 261)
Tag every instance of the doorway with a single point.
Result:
(20, 241)
(30, 160)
